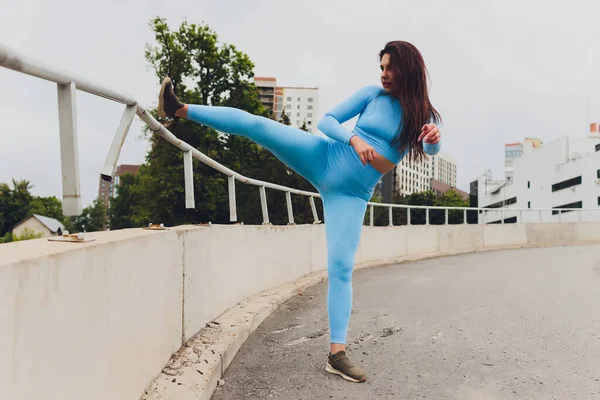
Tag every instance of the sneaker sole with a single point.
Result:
(161, 104)
(332, 370)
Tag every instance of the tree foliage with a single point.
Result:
(91, 219)
(207, 72)
(17, 203)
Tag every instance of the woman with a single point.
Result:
(395, 119)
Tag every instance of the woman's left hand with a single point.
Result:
(430, 133)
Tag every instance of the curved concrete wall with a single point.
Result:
(99, 320)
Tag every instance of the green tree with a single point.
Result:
(285, 118)
(304, 127)
(8, 237)
(47, 206)
(26, 235)
(17, 203)
(453, 199)
(206, 72)
(14, 204)
(126, 208)
(92, 218)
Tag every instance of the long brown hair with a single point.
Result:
(410, 89)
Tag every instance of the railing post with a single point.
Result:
(110, 165)
(263, 203)
(540, 213)
(408, 221)
(559, 215)
(69, 150)
(371, 216)
(288, 200)
(232, 202)
(521, 216)
(580, 211)
(427, 216)
(446, 217)
(465, 216)
(188, 174)
(314, 210)
(502, 214)
(390, 217)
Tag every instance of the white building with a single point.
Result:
(416, 177)
(443, 169)
(562, 174)
(40, 225)
(514, 151)
(413, 177)
(301, 104)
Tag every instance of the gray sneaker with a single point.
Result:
(339, 364)
(168, 103)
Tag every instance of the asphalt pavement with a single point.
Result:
(518, 324)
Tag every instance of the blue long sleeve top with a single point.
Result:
(380, 117)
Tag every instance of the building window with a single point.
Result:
(310, 122)
(310, 107)
(298, 98)
(577, 204)
(310, 99)
(598, 147)
(289, 99)
(528, 204)
(297, 115)
(566, 184)
(310, 116)
(528, 184)
(298, 106)
(598, 174)
(504, 203)
(288, 106)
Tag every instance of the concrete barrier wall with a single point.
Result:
(99, 320)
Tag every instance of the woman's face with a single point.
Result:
(387, 74)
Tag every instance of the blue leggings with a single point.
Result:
(332, 167)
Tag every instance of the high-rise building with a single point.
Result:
(301, 104)
(266, 91)
(443, 169)
(413, 177)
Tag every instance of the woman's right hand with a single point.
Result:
(365, 151)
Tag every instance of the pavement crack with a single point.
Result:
(387, 332)
(306, 338)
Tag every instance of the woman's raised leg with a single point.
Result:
(301, 151)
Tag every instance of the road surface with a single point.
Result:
(522, 324)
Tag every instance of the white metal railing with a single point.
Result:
(68, 84)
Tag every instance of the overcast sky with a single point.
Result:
(500, 71)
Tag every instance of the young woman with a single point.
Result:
(394, 120)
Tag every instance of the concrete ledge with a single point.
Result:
(111, 313)
(195, 370)
(226, 336)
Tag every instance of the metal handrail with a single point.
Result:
(11, 59)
